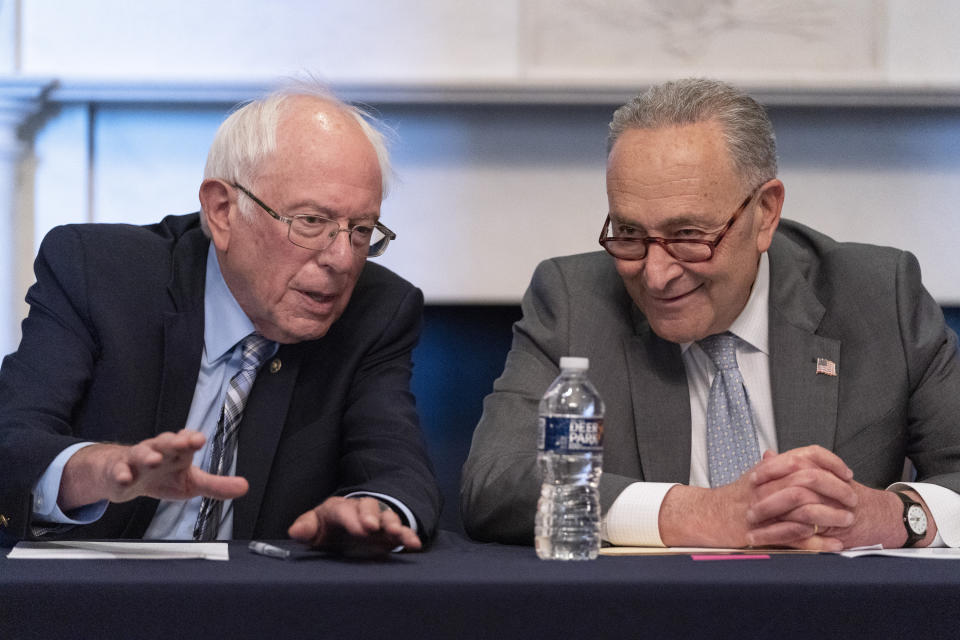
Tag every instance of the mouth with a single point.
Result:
(669, 300)
(319, 300)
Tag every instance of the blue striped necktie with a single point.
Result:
(732, 446)
(255, 350)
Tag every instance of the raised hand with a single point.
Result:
(159, 467)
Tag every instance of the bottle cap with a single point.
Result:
(577, 364)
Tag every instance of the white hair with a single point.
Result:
(249, 135)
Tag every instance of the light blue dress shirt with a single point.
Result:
(224, 326)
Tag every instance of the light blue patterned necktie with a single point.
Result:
(732, 446)
(255, 350)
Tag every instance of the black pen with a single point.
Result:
(264, 549)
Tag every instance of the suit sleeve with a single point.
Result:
(499, 486)
(383, 449)
(42, 382)
(933, 369)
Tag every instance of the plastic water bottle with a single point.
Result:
(570, 459)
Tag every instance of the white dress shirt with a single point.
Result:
(633, 517)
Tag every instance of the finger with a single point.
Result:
(778, 507)
(392, 526)
(306, 527)
(819, 543)
(356, 517)
(338, 517)
(193, 440)
(792, 534)
(804, 487)
(821, 516)
(778, 533)
(195, 437)
(778, 466)
(391, 523)
(410, 540)
(214, 486)
(121, 474)
(144, 455)
(173, 444)
(370, 513)
(774, 505)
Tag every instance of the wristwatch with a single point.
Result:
(914, 519)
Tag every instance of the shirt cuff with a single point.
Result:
(46, 493)
(944, 506)
(634, 517)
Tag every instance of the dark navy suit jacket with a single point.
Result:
(111, 352)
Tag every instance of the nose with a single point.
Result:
(660, 268)
(340, 255)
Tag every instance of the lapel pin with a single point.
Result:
(275, 365)
(826, 367)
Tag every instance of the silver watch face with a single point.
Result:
(917, 519)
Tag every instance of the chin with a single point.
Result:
(677, 334)
(293, 335)
(305, 336)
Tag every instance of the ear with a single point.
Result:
(217, 199)
(771, 203)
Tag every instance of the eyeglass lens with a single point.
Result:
(312, 232)
(628, 248)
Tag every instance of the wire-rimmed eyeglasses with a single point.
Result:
(317, 233)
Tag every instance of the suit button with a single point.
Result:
(275, 365)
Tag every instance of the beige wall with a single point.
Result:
(500, 109)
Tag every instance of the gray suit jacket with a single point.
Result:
(897, 392)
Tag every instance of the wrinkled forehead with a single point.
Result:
(317, 139)
(672, 150)
(683, 169)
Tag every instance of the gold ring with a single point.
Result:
(816, 529)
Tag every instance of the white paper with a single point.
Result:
(937, 553)
(139, 550)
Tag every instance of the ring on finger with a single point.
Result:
(816, 529)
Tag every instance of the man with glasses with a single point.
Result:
(763, 383)
(238, 373)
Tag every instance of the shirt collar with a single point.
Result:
(752, 324)
(224, 322)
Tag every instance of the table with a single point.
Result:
(459, 589)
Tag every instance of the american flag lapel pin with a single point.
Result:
(826, 367)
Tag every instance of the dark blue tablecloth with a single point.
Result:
(458, 589)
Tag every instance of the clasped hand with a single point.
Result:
(807, 498)
(804, 498)
(162, 467)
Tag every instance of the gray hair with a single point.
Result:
(249, 135)
(747, 129)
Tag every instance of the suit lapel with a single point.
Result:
(259, 432)
(805, 401)
(183, 331)
(182, 350)
(661, 404)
